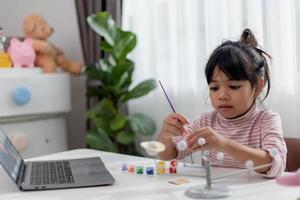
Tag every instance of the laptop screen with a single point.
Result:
(9, 157)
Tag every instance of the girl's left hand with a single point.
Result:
(212, 138)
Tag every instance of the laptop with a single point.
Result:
(51, 174)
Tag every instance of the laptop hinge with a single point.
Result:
(21, 174)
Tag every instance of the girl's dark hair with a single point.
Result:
(240, 60)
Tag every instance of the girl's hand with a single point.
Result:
(173, 126)
(212, 138)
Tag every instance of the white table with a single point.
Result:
(137, 187)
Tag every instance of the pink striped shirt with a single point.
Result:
(258, 128)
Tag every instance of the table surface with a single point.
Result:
(140, 186)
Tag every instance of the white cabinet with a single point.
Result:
(32, 109)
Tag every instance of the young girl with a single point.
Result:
(239, 126)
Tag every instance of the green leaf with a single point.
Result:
(92, 71)
(105, 66)
(123, 80)
(124, 45)
(104, 108)
(103, 24)
(98, 139)
(125, 137)
(112, 61)
(113, 91)
(99, 92)
(122, 74)
(140, 90)
(103, 124)
(141, 124)
(99, 71)
(118, 122)
(126, 81)
(105, 46)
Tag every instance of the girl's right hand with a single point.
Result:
(173, 125)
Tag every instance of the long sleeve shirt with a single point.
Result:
(258, 128)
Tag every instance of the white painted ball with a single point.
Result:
(182, 145)
(201, 141)
(220, 156)
(249, 164)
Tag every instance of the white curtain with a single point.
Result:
(176, 37)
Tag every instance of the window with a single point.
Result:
(176, 37)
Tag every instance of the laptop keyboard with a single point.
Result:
(52, 172)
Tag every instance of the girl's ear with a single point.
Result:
(259, 87)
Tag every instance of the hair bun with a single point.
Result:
(248, 38)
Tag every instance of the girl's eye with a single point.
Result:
(213, 88)
(234, 87)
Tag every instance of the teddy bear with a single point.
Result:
(48, 56)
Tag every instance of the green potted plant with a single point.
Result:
(114, 129)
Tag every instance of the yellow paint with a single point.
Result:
(5, 61)
(161, 168)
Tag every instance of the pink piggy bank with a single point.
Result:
(22, 54)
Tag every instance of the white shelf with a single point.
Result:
(32, 109)
(20, 71)
(49, 93)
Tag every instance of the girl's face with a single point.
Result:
(230, 98)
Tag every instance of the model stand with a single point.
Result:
(214, 191)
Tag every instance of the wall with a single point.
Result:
(62, 16)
